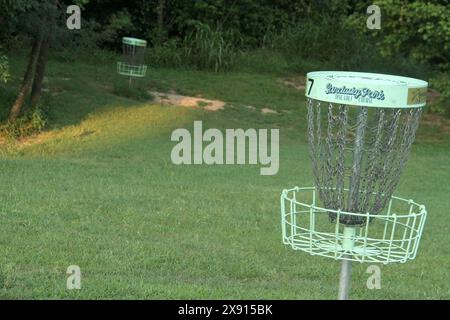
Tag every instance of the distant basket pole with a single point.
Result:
(360, 130)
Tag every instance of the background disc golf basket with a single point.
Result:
(133, 53)
(360, 129)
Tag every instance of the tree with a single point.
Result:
(39, 21)
(8, 9)
(27, 79)
(42, 59)
(42, 16)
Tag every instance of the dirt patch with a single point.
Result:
(187, 101)
(297, 82)
(268, 110)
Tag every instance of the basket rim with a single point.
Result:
(366, 89)
(134, 41)
(285, 193)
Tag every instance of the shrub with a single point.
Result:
(166, 54)
(419, 30)
(211, 49)
(32, 122)
(441, 83)
(324, 43)
(73, 45)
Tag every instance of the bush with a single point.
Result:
(89, 43)
(166, 54)
(203, 48)
(73, 45)
(441, 83)
(211, 49)
(327, 43)
(32, 122)
(419, 30)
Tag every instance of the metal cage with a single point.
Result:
(392, 235)
(133, 54)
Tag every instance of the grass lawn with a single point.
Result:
(98, 190)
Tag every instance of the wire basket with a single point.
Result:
(131, 70)
(392, 235)
(133, 54)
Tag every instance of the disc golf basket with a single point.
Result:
(132, 64)
(360, 129)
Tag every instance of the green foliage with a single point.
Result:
(32, 122)
(260, 36)
(415, 39)
(203, 48)
(441, 83)
(33, 119)
(211, 49)
(10, 7)
(88, 42)
(420, 30)
(328, 43)
(76, 44)
(119, 24)
(166, 54)
(4, 69)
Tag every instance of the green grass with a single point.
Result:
(98, 190)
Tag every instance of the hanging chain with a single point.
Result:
(359, 149)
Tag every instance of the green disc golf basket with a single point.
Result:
(360, 130)
(132, 64)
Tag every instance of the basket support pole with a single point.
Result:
(344, 280)
(349, 232)
(348, 243)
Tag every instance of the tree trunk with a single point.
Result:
(161, 4)
(40, 71)
(27, 79)
(43, 55)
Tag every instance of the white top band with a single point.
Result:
(366, 89)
